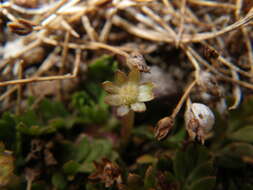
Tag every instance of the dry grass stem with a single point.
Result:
(237, 93)
(182, 99)
(122, 27)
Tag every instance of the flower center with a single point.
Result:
(129, 93)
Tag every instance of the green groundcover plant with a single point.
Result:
(80, 144)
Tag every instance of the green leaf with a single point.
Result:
(35, 130)
(49, 109)
(243, 134)
(179, 165)
(29, 118)
(59, 181)
(207, 183)
(202, 170)
(71, 167)
(102, 68)
(100, 148)
(178, 137)
(185, 161)
(143, 132)
(7, 130)
(82, 150)
(88, 110)
(232, 155)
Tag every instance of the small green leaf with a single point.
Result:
(29, 118)
(185, 161)
(244, 134)
(207, 183)
(233, 154)
(179, 165)
(102, 68)
(35, 130)
(82, 150)
(49, 109)
(71, 167)
(7, 130)
(59, 181)
(202, 170)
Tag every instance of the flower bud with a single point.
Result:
(163, 128)
(21, 27)
(136, 59)
(199, 121)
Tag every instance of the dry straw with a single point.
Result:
(124, 26)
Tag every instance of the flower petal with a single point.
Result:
(138, 107)
(110, 87)
(120, 77)
(146, 92)
(134, 75)
(122, 110)
(114, 100)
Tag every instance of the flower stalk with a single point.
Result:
(127, 125)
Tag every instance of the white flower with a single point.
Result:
(128, 93)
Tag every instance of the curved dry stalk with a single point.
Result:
(49, 78)
(19, 97)
(186, 38)
(194, 63)
(220, 75)
(181, 24)
(237, 93)
(213, 4)
(182, 100)
(159, 20)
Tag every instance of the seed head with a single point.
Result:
(199, 121)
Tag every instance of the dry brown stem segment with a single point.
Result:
(89, 45)
(49, 78)
(212, 4)
(219, 74)
(19, 98)
(194, 62)
(237, 93)
(47, 64)
(24, 50)
(233, 67)
(65, 51)
(245, 32)
(146, 20)
(153, 21)
(53, 10)
(159, 20)
(89, 29)
(225, 62)
(182, 100)
(181, 24)
(186, 38)
(69, 28)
